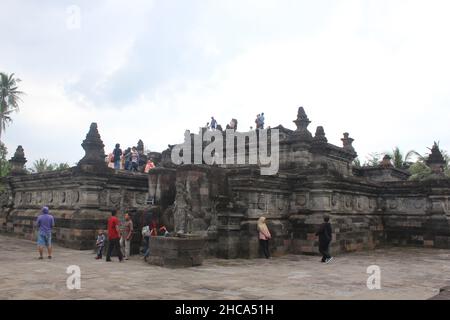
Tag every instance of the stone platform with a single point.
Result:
(406, 273)
(175, 252)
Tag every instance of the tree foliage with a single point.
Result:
(43, 165)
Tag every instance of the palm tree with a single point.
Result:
(41, 165)
(9, 99)
(401, 162)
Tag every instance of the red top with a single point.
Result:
(112, 230)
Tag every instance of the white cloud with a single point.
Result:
(378, 69)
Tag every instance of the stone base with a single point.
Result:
(176, 252)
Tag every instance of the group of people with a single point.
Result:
(324, 233)
(259, 121)
(120, 239)
(130, 160)
(213, 125)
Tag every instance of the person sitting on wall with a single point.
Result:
(149, 166)
(163, 231)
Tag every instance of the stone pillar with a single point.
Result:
(18, 162)
(94, 159)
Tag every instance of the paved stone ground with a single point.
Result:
(406, 273)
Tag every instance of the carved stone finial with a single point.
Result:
(302, 122)
(94, 149)
(386, 162)
(347, 142)
(320, 135)
(436, 160)
(18, 162)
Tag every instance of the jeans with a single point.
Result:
(100, 252)
(264, 244)
(117, 164)
(147, 246)
(125, 246)
(134, 166)
(114, 243)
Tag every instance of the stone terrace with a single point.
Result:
(406, 273)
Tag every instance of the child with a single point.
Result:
(100, 244)
(163, 231)
(325, 236)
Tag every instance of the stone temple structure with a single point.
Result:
(369, 207)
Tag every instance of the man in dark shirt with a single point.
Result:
(114, 236)
(117, 152)
(325, 237)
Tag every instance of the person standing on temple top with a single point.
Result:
(258, 121)
(261, 121)
(127, 157)
(325, 237)
(125, 240)
(113, 236)
(264, 236)
(117, 153)
(45, 222)
(213, 123)
(134, 159)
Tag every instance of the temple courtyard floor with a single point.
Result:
(405, 273)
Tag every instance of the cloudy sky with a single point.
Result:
(379, 69)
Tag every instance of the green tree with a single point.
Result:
(9, 99)
(419, 170)
(42, 165)
(373, 160)
(4, 164)
(400, 161)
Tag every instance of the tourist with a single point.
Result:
(261, 121)
(125, 239)
(146, 236)
(258, 121)
(150, 231)
(207, 126)
(134, 159)
(100, 243)
(127, 157)
(111, 161)
(163, 231)
(45, 222)
(213, 123)
(325, 237)
(264, 236)
(149, 166)
(113, 236)
(117, 153)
